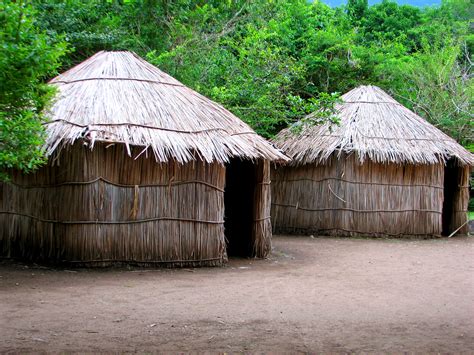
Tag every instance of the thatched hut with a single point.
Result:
(141, 170)
(384, 171)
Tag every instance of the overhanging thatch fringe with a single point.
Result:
(374, 127)
(117, 97)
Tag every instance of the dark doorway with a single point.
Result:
(451, 191)
(238, 200)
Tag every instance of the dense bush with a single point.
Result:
(27, 58)
(269, 62)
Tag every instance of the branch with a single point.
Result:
(20, 17)
(459, 109)
(416, 104)
(225, 29)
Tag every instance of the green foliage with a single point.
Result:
(271, 62)
(440, 88)
(323, 109)
(90, 26)
(27, 58)
(248, 64)
(387, 22)
(357, 9)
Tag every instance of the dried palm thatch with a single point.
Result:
(120, 98)
(373, 126)
(383, 172)
(103, 200)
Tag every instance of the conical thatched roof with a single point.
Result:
(373, 126)
(118, 97)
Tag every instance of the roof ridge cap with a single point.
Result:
(114, 78)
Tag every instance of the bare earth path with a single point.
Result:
(311, 295)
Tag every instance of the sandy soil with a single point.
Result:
(318, 294)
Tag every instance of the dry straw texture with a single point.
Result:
(373, 126)
(262, 227)
(119, 97)
(100, 207)
(383, 172)
(136, 174)
(344, 197)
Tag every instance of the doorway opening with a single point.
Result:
(451, 192)
(239, 206)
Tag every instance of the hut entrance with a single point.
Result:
(451, 192)
(238, 200)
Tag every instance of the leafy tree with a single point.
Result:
(271, 61)
(323, 110)
(90, 26)
(439, 87)
(248, 60)
(387, 21)
(27, 58)
(356, 9)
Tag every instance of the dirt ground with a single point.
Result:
(312, 295)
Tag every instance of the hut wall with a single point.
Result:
(460, 201)
(262, 226)
(101, 206)
(346, 198)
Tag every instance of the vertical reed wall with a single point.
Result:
(345, 198)
(461, 201)
(99, 207)
(262, 226)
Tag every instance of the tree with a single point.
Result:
(356, 9)
(440, 87)
(271, 61)
(245, 56)
(27, 58)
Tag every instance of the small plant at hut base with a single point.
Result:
(323, 108)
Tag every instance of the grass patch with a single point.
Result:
(470, 215)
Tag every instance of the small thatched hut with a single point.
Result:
(141, 170)
(384, 171)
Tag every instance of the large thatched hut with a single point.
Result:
(384, 171)
(141, 170)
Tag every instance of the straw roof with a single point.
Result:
(373, 126)
(118, 97)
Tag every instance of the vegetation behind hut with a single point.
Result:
(27, 58)
(266, 61)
